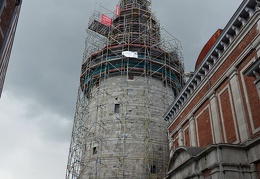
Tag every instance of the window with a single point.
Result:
(117, 106)
(165, 84)
(97, 84)
(17, 2)
(254, 71)
(130, 77)
(153, 169)
(95, 150)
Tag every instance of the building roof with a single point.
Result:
(207, 47)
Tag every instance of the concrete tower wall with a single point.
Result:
(126, 136)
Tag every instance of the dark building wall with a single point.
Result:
(9, 13)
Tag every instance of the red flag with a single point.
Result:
(106, 20)
(117, 10)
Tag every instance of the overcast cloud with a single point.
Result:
(38, 101)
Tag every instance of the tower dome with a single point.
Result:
(207, 47)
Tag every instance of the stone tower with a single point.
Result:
(131, 73)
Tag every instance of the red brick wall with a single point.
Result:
(227, 116)
(204, 128)
(175, 143)
(186, 134)
(206, 173)
(1, 39)
(187, 137)
(6, 15)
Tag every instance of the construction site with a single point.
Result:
(132, 70)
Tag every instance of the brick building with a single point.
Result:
(214, 129)
(9, 13)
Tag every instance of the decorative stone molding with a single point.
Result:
(242, 20)
(197, 80)
(214, 58)
(232, 72)
(254, 69)
(249, 11)
(224, 45)
(257, 75)
(211, 94)
(258, 4)
(193, 85)
(209, 65)
(236, 29)
(219, 52)
(205, 70)
(199, 77)
(191, 90)
(230, 38)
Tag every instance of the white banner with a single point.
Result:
(130, 54)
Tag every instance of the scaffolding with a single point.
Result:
(158, 62)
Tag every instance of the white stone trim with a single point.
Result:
(193, 139)
(233, 113)
(224, 45)
(180, 136)
(215, 118)
(236, 29)
(254, 130)
(239, 107)
(242, 20)
(249, 11)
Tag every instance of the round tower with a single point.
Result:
(130, 75)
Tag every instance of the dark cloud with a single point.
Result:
(37, 106)
(47, 53)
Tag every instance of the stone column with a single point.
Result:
(239, 108)
(193, 136)
(180, 141)
(215, 118)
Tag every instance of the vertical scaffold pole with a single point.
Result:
(77, 139)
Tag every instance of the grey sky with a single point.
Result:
(38, 101)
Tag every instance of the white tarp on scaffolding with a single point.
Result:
(130, 54)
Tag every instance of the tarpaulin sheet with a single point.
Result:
(106, 20)
(130, 54)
